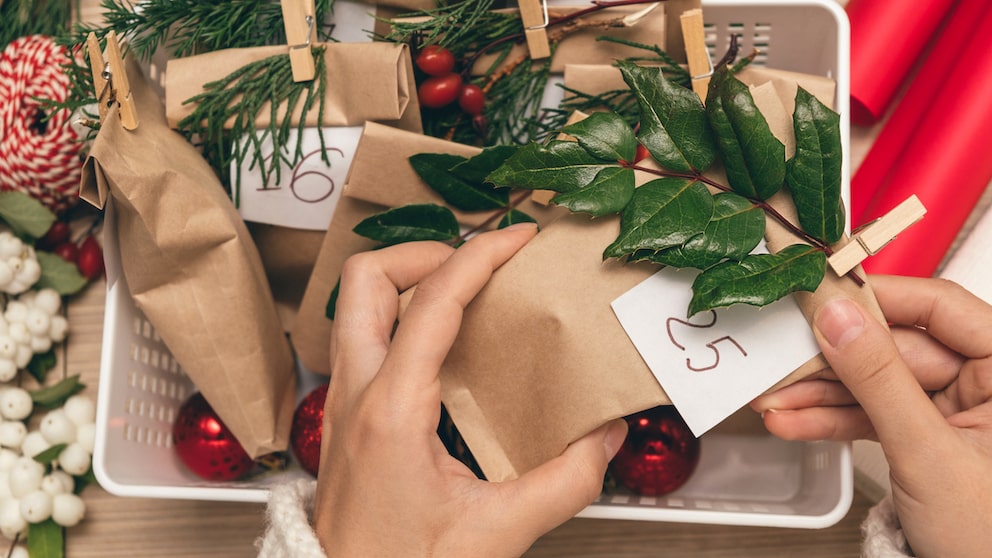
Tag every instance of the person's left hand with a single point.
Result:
(387, 486)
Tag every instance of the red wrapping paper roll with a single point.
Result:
(947, 163)
(902, 123)
(887, 37)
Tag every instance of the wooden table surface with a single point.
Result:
(132, 527)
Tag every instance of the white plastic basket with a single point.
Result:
(741, 479)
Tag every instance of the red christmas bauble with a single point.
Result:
(304, 437)
(205, 445)
(659, 454)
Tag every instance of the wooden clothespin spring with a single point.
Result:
(870, 238)
(110, 79)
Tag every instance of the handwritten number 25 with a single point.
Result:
(726, 340)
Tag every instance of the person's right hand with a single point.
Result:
(938, 444)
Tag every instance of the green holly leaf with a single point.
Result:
(513, 217)
(435, 170)
(608, 193)
(759, 279)
(674, 127)
(332, 301)
(46, 539)
(663, 213)
(55, 395)
(561, 166)
(814, 173)
(59, 274)
(752, 156)
(736, 228)
(410, 223)
(605, 135)
(41, 363)
(474, 170)
(25, 215)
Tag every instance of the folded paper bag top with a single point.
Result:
(193, 270)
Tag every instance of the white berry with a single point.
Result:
(36, 506)
(25, 477)
(57, 428)
(58, 329)
(19, 331)
(10, 245)
(7, 459)
(24, 354)
(12, 433)
(5, 486)
(8, 369)
(80, 409)
(74, 459)
(12, 522)
(67, 509)
(8, 346)
(86, 436)
(18, 551)
(48, 300)
(16, 312)
(34, 443)
(15, 403)
(6, 274)
(57, 482)
(38, 321)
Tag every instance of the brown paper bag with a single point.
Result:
(380, 177)
(572, 367)
(193, 270)
(366, 81)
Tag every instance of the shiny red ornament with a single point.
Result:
(304, 437)
(659, 454)
(205, 445)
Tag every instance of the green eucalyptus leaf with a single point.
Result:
(736, 228)
(674, 127)
(663, 213)
(474, 170)
(605, 135)
(25, 215)
(561, 166)
(410, 223)
(513, 217)
(814, 173)
(46, 539)
(59, 274)
(435, 170)
(55, 395)
(608, 193)
(753, 157)
(759, 279)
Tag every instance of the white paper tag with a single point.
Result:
(352, 21)
(715, 363)
(306, 195)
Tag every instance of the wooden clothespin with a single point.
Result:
(300, 20)
(534, 14)
(871, 237)
(698, 56)
(110, 79)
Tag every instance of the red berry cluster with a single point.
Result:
(87, 255)
(443, 85)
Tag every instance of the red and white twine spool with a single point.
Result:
(39, 152)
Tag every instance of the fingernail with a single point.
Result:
(839, 321)
(773, 411)
(616, 433)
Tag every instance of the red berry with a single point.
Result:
(57, 234)
(659, 454)
(472, 99)
(90, 260)
(437, 92)
(67, 251)
(205, 445)
(641, 154)
(308, 423)
(435, 60)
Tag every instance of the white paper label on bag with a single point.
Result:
(304, 196)
(718, 361)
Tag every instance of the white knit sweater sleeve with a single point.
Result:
(288, 533)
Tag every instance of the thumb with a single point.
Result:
(553, 493)
(864, 356)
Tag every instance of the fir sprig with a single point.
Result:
(21, 18)
(242, 96)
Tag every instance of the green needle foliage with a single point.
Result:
(21, 18)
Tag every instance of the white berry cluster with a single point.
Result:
(19, 267)
(31, 492)
(29, 325)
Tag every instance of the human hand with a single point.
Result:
(938, 446)
(387, 486)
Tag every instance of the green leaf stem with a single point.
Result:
(753, 157)
(759, 279)
(663, 213)
(814, 173)
(673, 121)
(410, 223)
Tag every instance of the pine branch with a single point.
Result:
(21, 18)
